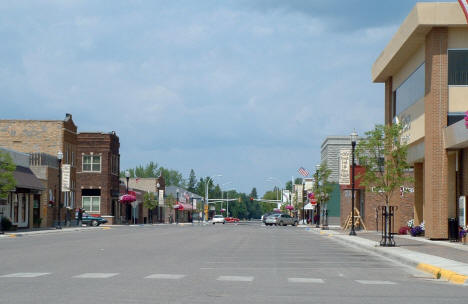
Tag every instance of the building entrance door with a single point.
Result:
(36, 211)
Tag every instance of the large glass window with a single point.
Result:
(91, 163)
(91, 203)
(458, 67)
(410, 91)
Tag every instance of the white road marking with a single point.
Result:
(25, 275)
(370, 282)
(235, 278)
(95, 275)
(305, 280)
(165, 276)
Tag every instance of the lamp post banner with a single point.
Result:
(464, 6)
(161, 198)
(66, 178)
(345, 162)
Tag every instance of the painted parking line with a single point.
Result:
(95, 275)
(25, 275)
(305, 280)
(166, 276)
(370, 282)
(235, 278)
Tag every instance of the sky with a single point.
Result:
(246, 89)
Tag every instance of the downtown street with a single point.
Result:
(232, 263)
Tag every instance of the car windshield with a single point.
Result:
(218, 216)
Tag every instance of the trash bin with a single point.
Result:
(453, 229)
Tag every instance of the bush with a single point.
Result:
(6, 223)
(404, 230)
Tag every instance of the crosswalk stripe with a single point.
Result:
(95, 275)
(235, 278)
(25, 275)
(370, 282)
(305, 280)
(166, 276)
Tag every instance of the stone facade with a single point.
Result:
(47, 137)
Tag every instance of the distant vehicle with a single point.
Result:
(93, 220)
(286, 219)
(218, 219)
(271, 219)
(231, 219)
(267, 215)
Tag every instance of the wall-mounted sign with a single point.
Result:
(66, 178)
(345, 162)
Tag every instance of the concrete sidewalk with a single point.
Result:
(31, 232)
(441, 259)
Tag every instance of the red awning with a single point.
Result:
(183, 206)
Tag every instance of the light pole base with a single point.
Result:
(58, 227)
(352, 232)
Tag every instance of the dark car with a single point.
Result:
(92, 220)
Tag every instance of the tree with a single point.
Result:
(192, 181)
(150, 202)
(7, 180)
(323, 187)
(253, 193)
(383, 154)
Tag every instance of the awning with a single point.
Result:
(26, 179)
(185, 207)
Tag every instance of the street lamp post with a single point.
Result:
(317, 169)
(59, 158)
(192, 207)
(353, 146)
(127, 177)
(177, 209)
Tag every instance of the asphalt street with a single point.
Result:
(204, 264)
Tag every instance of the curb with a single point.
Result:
(437, 272)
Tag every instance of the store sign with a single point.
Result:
(161, 198)
(66, 178)
(286, 196)
(344, 178)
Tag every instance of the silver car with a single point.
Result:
(286, 219)
(271, 219)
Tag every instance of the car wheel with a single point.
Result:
(294, 224)
(281, 223)
(224, 223)
(214, 223)
(94, 223)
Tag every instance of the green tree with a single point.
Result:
(253, 193)
(383, 155)
(323, 187)
(149, 201)
(192, 182)
(7, 180)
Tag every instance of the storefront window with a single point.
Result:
(458, 67)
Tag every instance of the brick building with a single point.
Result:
(424, 68)
(97, 174)
(48, 137)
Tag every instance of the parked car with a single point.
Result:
(267, 215)
(271, 219)
(286, 219)
(218, 219)
(231, 219)
(92, 220)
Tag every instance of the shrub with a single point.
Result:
(6, 223)
(404, 230)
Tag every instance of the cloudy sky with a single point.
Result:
(248, 89)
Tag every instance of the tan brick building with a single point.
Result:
(98, 167)
(46, 137)
(425, 71)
